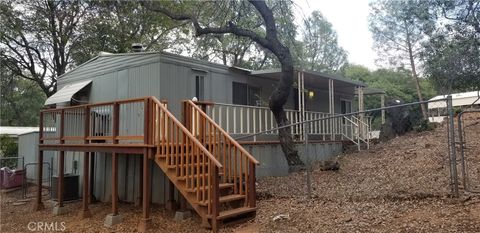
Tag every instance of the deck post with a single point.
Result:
(61, 178)
(146, 220)
(91, 196)
(85, 213)
(183, 212)
(171, 205)
(215, 195)
(114, 218)
(59, 208)
(138, 201)
(301, 100)
(114, 184)
(252, 189)
(331, 107)
(361, 108)
(39, 204)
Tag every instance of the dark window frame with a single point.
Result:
(245, 94)
(200, 87)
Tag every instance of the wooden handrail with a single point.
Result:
(239, 164)
(225, 134)
(187, 132)
(96, 104)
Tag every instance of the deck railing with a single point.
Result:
(238, 163)
(110, 122)
(143, 121)
(244, 120)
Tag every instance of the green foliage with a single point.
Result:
(20, 100)
(397, 31)
(233, 50)
(424, 125)
(397, 84)
(8, 148)
(443, 36)
(113, 26)
(321, 51)
(37, 38)
(451, 55)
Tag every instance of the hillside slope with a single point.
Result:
(401, 185)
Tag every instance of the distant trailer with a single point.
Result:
(460, 100)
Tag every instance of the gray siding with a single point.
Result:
(273, 162)
(129, 178)
(171, 78)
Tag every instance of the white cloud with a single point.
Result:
(350, 19)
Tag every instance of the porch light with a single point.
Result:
(311, 94)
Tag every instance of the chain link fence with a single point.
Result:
(402, 118)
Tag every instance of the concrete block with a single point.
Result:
(182, 215)
(59, 210)
(111, 220)
(144, 225)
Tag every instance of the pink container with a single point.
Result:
(11, 178)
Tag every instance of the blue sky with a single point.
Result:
(350, 20)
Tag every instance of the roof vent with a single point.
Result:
(137, 47)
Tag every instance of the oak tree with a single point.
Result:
(267, 36)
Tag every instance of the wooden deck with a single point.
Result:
(206, 165)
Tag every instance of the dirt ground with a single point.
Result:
(399, 186)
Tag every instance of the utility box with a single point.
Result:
(70, 187)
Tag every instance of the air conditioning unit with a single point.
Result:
(70, 187)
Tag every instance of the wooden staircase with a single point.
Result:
(209, 168)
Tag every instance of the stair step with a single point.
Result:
(179, 155)
(221, 186)
(234, 212)
(228, 198)
(194, 176)
(187, 166)
(232, 197)
(183, 178)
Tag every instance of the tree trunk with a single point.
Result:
(417, 85)
(278, 98)
(415, 76)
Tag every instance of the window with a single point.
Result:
(200, 87)
(345, 106)
(245, 94)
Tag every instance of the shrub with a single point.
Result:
(8, 148)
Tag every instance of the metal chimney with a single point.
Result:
(137, 47)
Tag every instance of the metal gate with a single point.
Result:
(469, 149)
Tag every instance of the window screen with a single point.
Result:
(240, 93)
